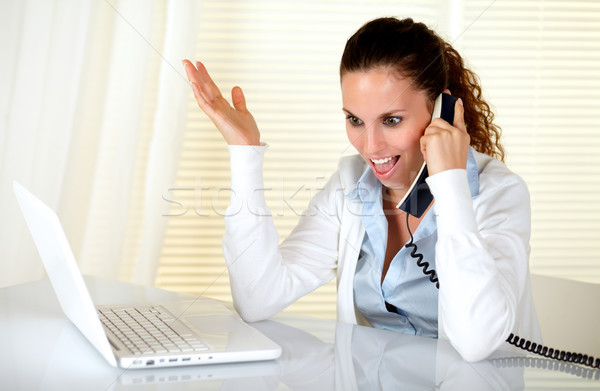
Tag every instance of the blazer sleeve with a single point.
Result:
(267, 276)
(482, 257)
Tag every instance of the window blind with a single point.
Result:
(538, 64)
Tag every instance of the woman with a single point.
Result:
(475, 234)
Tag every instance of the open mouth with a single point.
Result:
(384, 167)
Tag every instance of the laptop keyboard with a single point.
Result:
(151, 329)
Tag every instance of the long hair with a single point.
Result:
(432, 64)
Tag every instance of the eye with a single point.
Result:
(354, 121)
(392, 121)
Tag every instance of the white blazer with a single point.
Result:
(482, 251)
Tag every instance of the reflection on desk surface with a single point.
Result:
(317, 355)
(362, 358)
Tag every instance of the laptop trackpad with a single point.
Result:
(217, 324)
(214, 324)
(231, 333)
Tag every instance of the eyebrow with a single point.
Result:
(392, 113)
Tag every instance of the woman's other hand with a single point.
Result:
(236, 124)
(446, 146)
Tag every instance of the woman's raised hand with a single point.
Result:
(236, 124)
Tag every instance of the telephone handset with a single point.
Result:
(418, 197)
(415, 203)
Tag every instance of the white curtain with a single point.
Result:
(44, 47)
(169, 124)
(79, 91)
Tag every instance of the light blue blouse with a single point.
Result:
(405, 285)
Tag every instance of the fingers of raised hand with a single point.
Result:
(205, 86)
(238, 99)
(235, 123)
(207, 94)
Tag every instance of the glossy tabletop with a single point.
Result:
(42, 350)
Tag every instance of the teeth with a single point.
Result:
(381, 161)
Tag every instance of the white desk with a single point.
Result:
(317, 355)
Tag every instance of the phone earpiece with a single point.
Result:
(444, 108)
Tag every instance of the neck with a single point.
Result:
(391, 198)
(393, 195)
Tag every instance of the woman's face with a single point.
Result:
(385, 119)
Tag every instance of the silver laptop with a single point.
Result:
(141, 335)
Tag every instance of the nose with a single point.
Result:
(374, 140)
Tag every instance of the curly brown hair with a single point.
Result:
(413, 50)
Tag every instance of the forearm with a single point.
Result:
(266, 277)
(481, 259)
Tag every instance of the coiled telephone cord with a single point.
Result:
(546, 363)
(522, 343)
